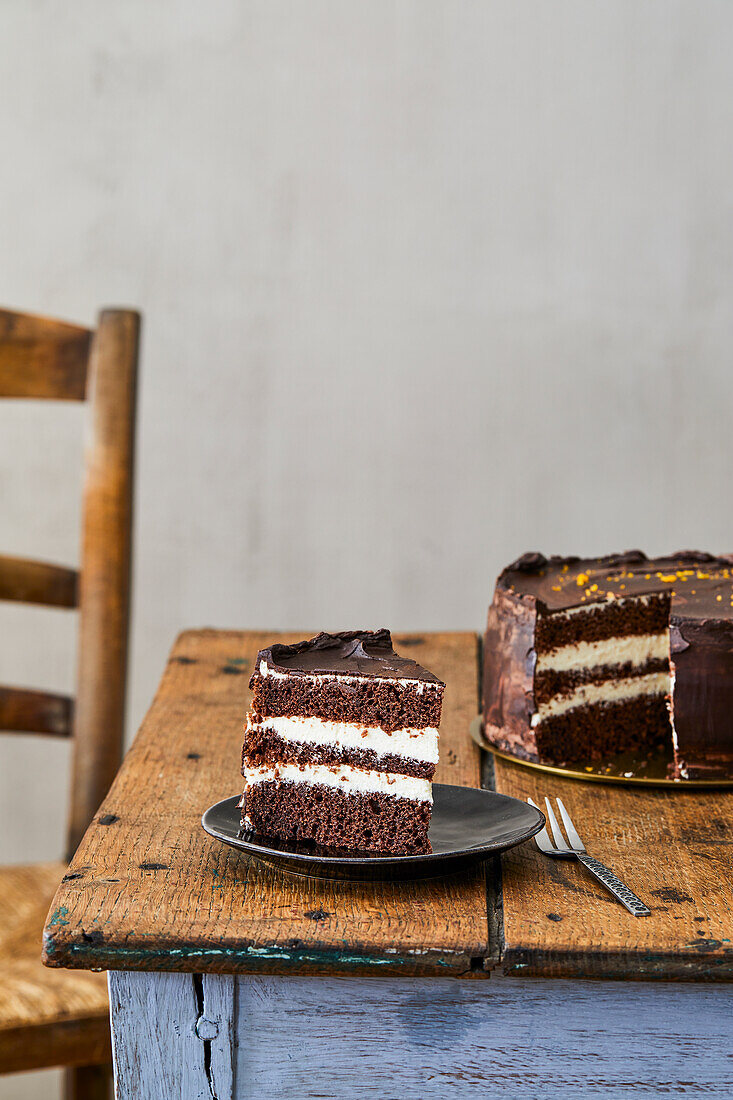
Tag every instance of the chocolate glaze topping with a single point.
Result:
(700, 585)
(348, 653)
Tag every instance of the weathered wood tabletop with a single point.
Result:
(149, 890)
(673, 848)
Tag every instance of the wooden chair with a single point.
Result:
(56, 1017)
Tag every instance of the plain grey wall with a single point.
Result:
(426, 284)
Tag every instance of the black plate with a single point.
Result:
(467, 826)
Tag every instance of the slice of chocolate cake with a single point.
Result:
(341, 744)
(587, 658)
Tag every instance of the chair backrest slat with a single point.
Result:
(24, 711)
(38, 582)
(42, 358)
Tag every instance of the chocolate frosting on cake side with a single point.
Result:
(508, 674)
(702, 699)
(361, 653)
(700, 590)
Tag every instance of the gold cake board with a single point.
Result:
(618, 769)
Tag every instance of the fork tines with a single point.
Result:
(560, 845)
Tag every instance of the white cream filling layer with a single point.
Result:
(318, 678)
(635, 649)
(411, 744)
(656, 683)
(343, 778)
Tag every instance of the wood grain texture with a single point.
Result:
(421, 1039)
(187, 1053)
(434, 1039)
(26, 711)
(672, 848)
(182, 901)
(38, 582)
(42, 358)
(216, 1028)
(106, 557)
(47, 1017)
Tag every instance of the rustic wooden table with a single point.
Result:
(231, 980)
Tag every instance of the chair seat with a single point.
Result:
(47, 1017)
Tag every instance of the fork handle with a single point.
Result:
(615, 885)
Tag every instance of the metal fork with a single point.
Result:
(576, 850)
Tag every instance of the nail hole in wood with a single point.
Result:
(316, 914)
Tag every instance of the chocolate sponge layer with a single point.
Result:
(390, 706)
(594, 732)
(597, 624)
(367, 822)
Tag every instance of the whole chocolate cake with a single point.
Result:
(341, 744)
(586, 658)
